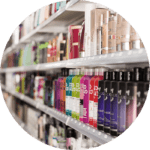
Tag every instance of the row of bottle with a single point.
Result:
(48, 129)
(106, 37)
(36, 19)
(79, 94)
(62, 47)
(111, 33)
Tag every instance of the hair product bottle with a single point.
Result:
(112, 26)
(105, 33)
(99, 77)
(89, 73)
(107, 103)
(135, 39)
(125, 35)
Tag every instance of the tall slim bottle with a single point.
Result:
(107, 104)
(78, 96)
(74, 80)
(59, 90)
(143, 88)
(82, 94)
(68, 91)
(101, 101)
(114, 103)
(99, 77)
(89, 73)
(64, 91)
(131, 104)
(91, 98)
(122, 98)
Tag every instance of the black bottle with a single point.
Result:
(107, 105)
(142, 89)
(116, 76)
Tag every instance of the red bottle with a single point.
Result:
(91, 97)
(75, 30)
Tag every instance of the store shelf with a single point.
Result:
(118, 58)
(52, 26)
(90, 132)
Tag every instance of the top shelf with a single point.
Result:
(72, 13)
(119, 59)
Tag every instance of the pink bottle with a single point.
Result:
(100, 77)
(89, 73)
(82, 95)
(131, 105)
(91, 97)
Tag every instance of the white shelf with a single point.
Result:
(51, 26)
(119, 59)
(90, 132)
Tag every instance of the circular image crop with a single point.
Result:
(75, 74)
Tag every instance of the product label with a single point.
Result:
(101, 109)
(91, 106)
(114, 113)
(107, 111)
(95, 114)
(86, 101)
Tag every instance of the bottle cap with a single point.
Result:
(71, 72)
(129, 76)
(102, 70)
(82, 71)
(96, 71)
(138, 74)
(77, 71)
(115, 75)
(66, 72)
(146, 74)
(107, 75)
(86, 71)
(90, 72)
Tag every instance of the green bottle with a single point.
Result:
(78, 96)
(74, 79)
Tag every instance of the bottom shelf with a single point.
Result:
(98, 136)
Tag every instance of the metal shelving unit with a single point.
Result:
(118, 59)
(73, 13)
(94, 134)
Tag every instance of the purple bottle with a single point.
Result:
(122, 98)
(59, 88)
(56, 107)
(89, 73)
(114, 102)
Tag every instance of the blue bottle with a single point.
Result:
(69, 92)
